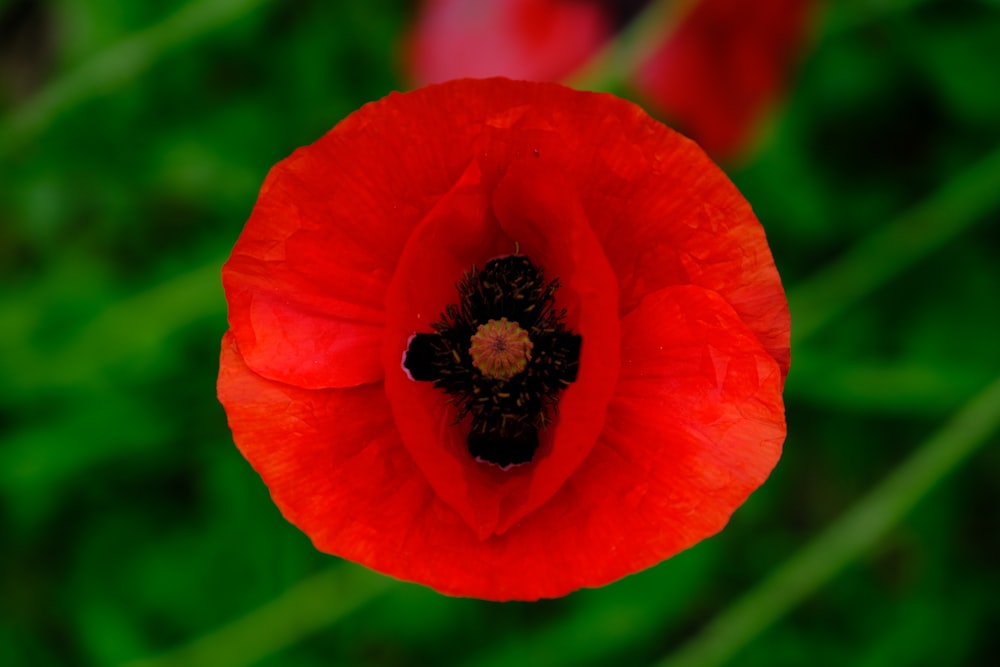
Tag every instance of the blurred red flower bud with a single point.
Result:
(713, 76)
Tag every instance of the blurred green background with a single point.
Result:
(133, 139)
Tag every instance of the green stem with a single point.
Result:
(907, 387)
(895, 247)
(314, 603)
(123, 331)
(849, 537)
(632, 46)
(843, 17)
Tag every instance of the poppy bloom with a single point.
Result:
(504, 339)
(713, 75)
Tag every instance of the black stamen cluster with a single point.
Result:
(506, 414)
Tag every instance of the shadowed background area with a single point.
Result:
(133, 140)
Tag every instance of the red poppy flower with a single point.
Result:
(504, 339)
(714, 75)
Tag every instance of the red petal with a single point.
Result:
(726, 62)
(537, 208)
(459, 232)
(712, 240)
(307, 278)
(522, 39)
(696, 424)
(332, 460)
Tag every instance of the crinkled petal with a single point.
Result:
(696, 424)
(305, 305)
(331, 458)
(306, 281)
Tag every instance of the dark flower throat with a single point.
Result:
(502, 354)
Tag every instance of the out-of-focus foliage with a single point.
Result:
(133, 139)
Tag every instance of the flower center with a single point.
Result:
(502, 354)
(500, 349)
